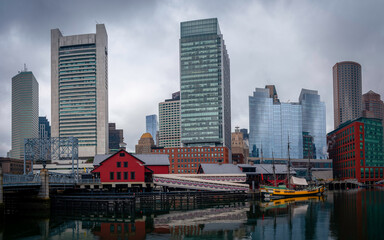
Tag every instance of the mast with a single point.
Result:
(261, 159)
(309, 164)
(289, 167)
(273, 168)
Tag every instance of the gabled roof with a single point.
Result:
(153, 159)
(210, 168)
(100, 158)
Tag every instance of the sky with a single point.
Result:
(291, 44)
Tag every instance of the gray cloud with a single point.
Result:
(287, 43)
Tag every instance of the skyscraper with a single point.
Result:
(205, 85)
(347, 91)
(116, 137)
(152, 126)
(169, 122)
(272, 124)
(373, 106)
(79, 89)
(44, 128)
(25, 111)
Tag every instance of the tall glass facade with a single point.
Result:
(152, 125)
(273, 124)
(314, 120)
(205, 85)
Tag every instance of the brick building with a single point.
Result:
(356, 148)
(188, 159)
(14, 166)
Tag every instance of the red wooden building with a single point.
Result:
(123, 169)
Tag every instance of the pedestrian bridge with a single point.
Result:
(206, 182)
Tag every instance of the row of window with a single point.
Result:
(118, 176)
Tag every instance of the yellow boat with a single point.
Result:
(267, 191)
(285, 201)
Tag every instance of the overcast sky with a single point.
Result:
(291, 44)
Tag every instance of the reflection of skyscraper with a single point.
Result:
(205, 85)
(346, 92)
(169, 118)
(79, 89)
(25, 111)
(152, 126)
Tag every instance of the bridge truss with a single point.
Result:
(42, 150)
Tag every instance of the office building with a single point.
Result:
(373, 106)
(356, 148)
(44, 128)
(314, 125)
(240, 149)
(184, 160)
(145, 144)
(273, 124)
(25, 111)
(116, 138)
(347, 91)
(169, 118)
(79, 89)
(152, 126)
(205, 85)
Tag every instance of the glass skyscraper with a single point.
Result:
(25, 111)
(79, 89)
(44, 128)
(151, 126)
(205, 85)
(272, 124)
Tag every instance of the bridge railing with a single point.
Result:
(89, 181)
(17, 178)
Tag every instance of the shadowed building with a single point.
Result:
(25, 111)
(79, 89)
(116, 137)
(347, 91)
(44, 128)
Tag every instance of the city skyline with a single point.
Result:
(275, 47)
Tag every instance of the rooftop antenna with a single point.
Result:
(25, 67)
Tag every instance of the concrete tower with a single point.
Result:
(79, 89)
(25, 111)
(347, 91)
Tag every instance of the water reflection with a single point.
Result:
(354, 214)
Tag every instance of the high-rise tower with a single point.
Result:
(79, 89)
(205, 85)
(347, 91)
(25, 111)
(169, 118)
(151, 126)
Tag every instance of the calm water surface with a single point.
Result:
(353, 214)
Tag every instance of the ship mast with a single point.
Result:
(274, 169)
(289, 167)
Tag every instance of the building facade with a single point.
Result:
(79, 89)
(186, 160)
(356, 148)
(169, 118)
(145, 144)
(240, 149)
(347, 91)
(25, 111)
(151, 126)
(373, 106)
(205, 85)
(116, 137)
(272, 124)
(44, 128)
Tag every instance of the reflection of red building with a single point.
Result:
(128, 169)
(121, 230)
(188, 159)
(356, 148)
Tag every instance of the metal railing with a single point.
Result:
(12, 179)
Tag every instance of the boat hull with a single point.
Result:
(276, 192)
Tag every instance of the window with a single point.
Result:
(111, 175)
(122, 154)
(125, 175)
(118, 175)
(125, 164)
(132, 175)
(118, 164)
